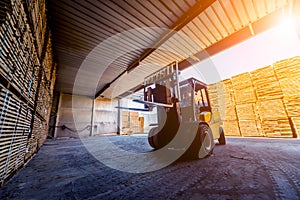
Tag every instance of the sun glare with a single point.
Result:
(288, 23)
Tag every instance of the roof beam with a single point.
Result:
(239, 36)
(198, 8)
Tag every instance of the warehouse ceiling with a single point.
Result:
(106, 48)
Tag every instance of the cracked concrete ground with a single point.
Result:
(245, 168)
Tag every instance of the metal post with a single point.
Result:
(58, 115)
(119, 118)
(92, 118)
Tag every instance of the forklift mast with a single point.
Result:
(163, 86)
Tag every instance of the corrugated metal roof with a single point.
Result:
(79, 26)
(113, 35)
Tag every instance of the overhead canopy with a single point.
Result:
(106, 48)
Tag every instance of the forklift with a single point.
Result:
(180, 106)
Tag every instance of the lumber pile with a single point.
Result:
(130, 123)
(274, 119)
(231, 128)
(270, 105)
(216, 93)
(26, 75)
(295, 121)
(292, 104)
(247, 116)
(224, 102)
(243, 88)
(14, 119)
(288, 73)
(271, 109)
(277, 127)
(266, 84)
(265, 102)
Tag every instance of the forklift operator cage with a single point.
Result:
(164, 87)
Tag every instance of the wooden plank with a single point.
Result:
(266, 83)
(279, 127)
(247, 111)
(250, 128)
(292, 104)
(241, 81)
(245, 95)
(271, 109)
(231, 128)
(296, 125)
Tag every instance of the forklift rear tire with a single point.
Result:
(203, 143)
(222, 140)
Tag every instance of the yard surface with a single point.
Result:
(244, 168)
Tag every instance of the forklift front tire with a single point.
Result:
(203, 143)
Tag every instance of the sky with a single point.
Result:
(264, 49)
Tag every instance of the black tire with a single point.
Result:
(203, 143)
(222, 140)
(153, 137)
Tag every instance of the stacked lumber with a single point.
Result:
(32, 147)
(213, 95)
(265, 102)
(231, 128)
(38, 137)
(266, 84)
(216, 94)
(228, 94)
(249, 121)
(37, 13)
(222, 100)
(44, 98)
(134, 122)
(288, 73)
(277, 127)
(271, 108)
(18, 58)
(292, 105)
(247, 111)
(241, 81)
(274, 118)
(15, 119)
(247, 116)
(6, 7)
(21, 61)
(125, 123)
(295, 121)
(250, 128)
(48, 60)
(12, 151)
(130, 122)
(243, 88)
(230, 124)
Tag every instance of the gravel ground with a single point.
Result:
(245, 168)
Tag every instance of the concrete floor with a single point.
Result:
(245, 168)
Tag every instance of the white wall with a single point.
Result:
(79, 114)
